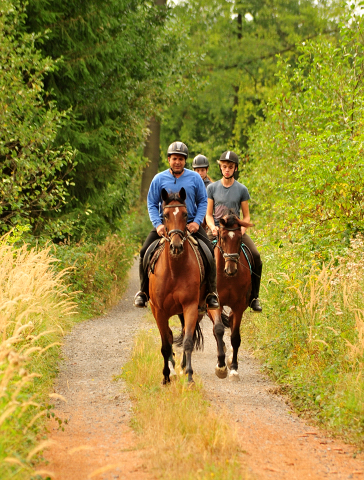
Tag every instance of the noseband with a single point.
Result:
(176, 231)
(232, 257)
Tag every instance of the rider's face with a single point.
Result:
(227, 168)
(202, 172)
(177, 162)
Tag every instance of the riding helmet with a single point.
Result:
(178, 147)
(200, 161)
(229, 156)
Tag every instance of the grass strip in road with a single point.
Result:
(184, 436)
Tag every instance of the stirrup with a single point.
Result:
(214, 303)
(140, 299)
(255, 305)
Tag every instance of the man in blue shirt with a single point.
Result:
(173, 180)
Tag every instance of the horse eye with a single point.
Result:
(184, 214)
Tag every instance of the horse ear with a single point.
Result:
(164, 195)
(182, 194)
(222, 221)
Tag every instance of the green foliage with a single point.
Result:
(97, 272)
(34, 173)
(307, 154)
(305, 177)
(238, 42)
(116, 63)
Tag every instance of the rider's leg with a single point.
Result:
(212, 299)
(142, 296)
(256, 274)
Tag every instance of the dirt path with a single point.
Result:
(277, 444)
(98, 435)
(99, 443)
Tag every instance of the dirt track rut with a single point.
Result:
(99, 443)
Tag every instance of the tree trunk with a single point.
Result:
(151, 151)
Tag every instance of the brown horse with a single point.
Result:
(233, 286)
(175, 288)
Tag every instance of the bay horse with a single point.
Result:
(233, 287)
(175, 286)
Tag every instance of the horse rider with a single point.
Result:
(200, 164)
(173, 179)
(229, 193)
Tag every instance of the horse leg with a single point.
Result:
(167, 339)
(190, 325)
(218, 329)
(171, 360)
(235, 343)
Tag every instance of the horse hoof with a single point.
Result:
(234, 376)
(166, 381)
(229, 361)
(221, 372)
(191, 384)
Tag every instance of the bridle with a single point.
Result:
(232, 257)
(176, 231)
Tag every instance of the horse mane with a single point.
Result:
(232, 219)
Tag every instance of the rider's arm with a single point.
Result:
(153, 200)
(209, 214)
(246, 214)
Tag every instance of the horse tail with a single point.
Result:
(179, 340)
(198, 340)
(225, 320)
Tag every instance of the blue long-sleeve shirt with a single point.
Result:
(196, 197)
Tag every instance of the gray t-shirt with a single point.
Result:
(227, 197)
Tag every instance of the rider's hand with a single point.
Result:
(161, 230)
(214, 231)
(243, 230)
(193, 227)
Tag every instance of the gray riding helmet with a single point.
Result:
(229, 156)
(178, 147)
(200, 161)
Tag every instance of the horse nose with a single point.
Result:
(230, 270)
(176, 249)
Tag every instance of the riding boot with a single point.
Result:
(254, 297)
(141, 298)
(212, 298)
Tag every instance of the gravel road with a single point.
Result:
(99, 443)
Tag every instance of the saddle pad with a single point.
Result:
(154, 258)
(196, 251)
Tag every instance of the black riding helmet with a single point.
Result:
(229, 156)
(232, 157)
(179, 148)
(200, 161)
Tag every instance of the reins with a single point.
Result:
(234, 257)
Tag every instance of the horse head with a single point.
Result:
(175, 219)
(230, 238)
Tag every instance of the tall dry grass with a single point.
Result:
(184, 436)
(34, 311)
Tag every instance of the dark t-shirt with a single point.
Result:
(207, 182)
(227, 197)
